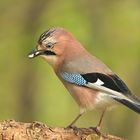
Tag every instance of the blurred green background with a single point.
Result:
(30, 91)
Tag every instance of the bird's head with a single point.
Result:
(52, 45)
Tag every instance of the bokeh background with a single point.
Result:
(29, 90)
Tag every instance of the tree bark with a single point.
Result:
(12, 130)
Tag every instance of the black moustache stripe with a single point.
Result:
(49, 53)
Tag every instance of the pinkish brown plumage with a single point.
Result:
(90, 82)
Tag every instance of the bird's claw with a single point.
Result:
(97, 130)
(71, 127)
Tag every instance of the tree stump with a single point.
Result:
(12, 130)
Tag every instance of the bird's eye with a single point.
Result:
(49, 45)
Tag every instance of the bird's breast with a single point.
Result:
(85, 97)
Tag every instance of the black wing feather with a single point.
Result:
(120, 84)
(110, 81)
(124, 89)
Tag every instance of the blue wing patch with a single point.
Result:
(74, 78)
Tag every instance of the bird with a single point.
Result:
(90, 82)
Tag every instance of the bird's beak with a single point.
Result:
(35, 53)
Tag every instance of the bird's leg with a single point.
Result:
(98, 127)
(101, 119)
(71, 125)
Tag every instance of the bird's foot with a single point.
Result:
(97, 130)
(71, 127)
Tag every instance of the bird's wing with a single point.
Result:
(109, 81)
(110, 85)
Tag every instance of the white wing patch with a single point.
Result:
(99, 82)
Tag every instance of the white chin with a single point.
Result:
(51, 59)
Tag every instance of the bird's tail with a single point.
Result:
(131, 103)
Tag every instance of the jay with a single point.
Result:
(90, 82)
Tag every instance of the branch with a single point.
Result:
(12, 130)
